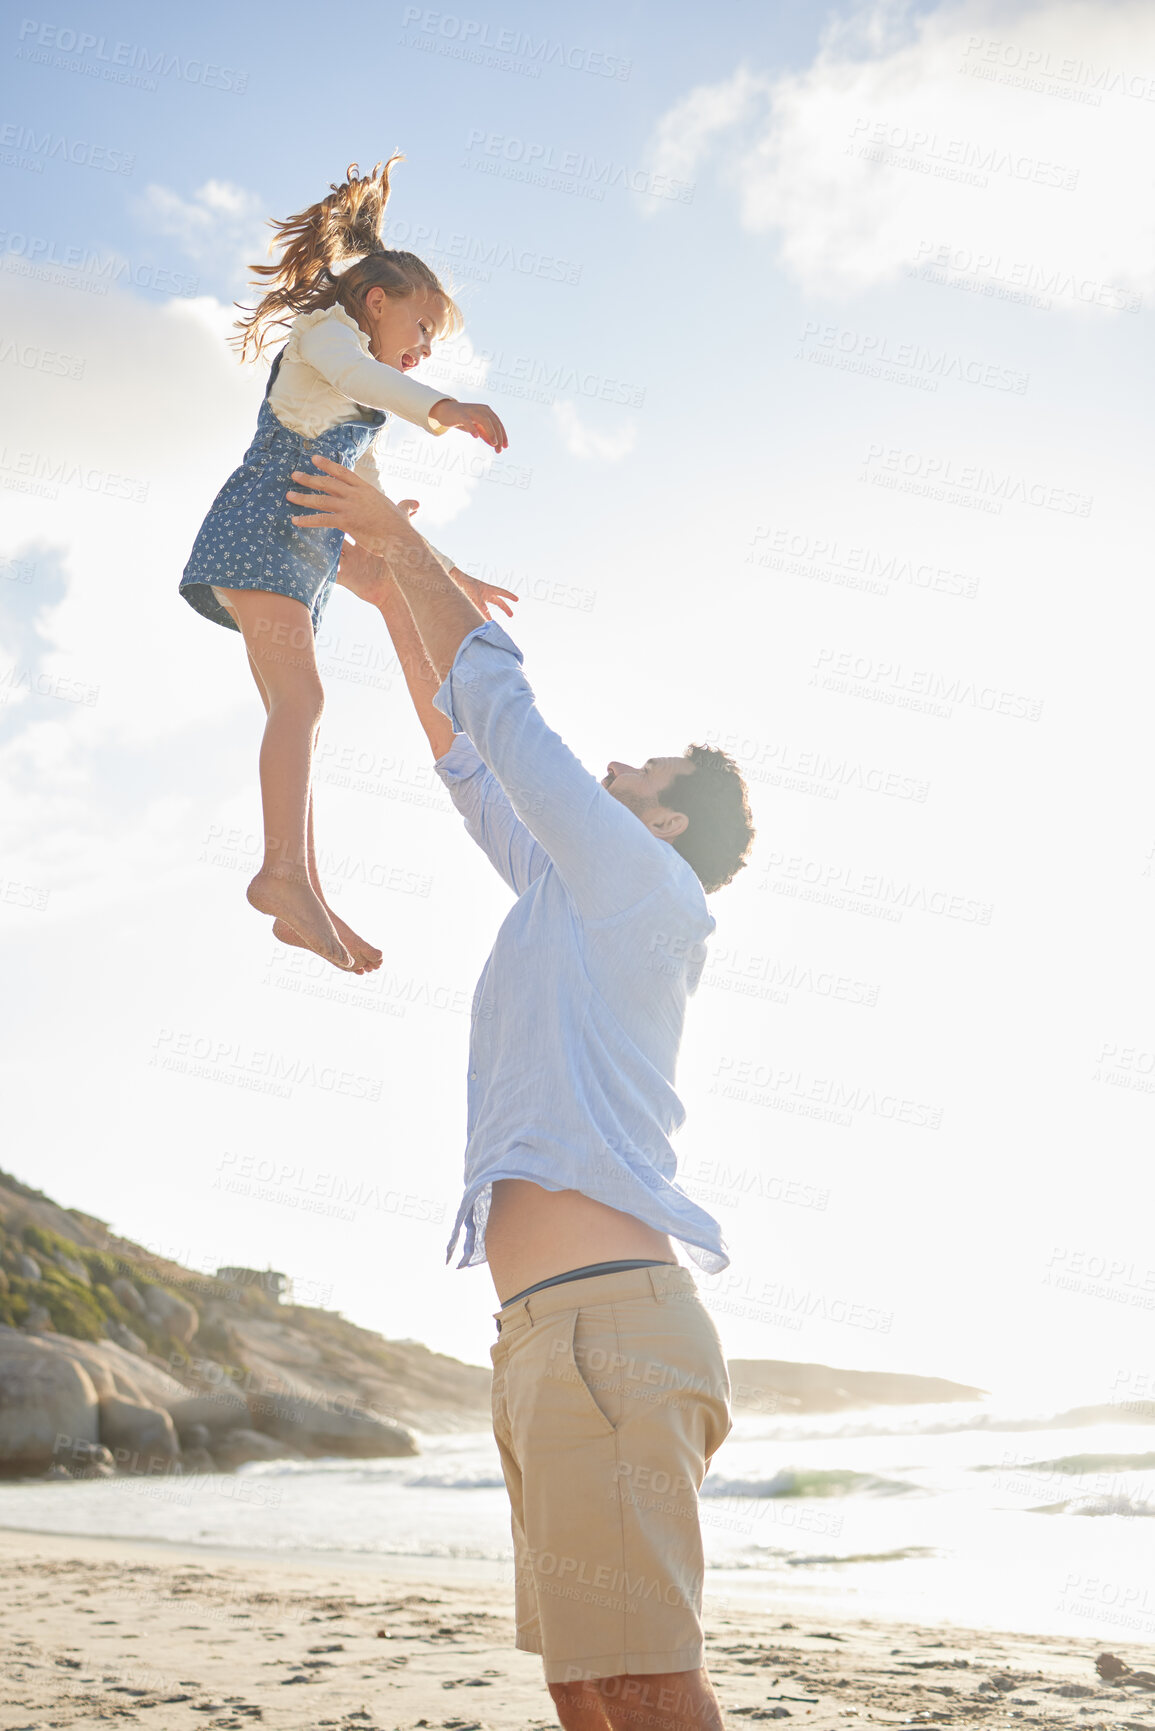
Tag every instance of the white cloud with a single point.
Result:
(583, 442)
(700, 119)
(220, 224)
(1017, 135)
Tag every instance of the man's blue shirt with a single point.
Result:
(578, 1012)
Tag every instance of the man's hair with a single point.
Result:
(719, 834)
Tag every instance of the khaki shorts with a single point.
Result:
(610, 1395)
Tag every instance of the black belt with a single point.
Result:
(591, 1268)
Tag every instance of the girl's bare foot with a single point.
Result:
(365, 957)
(293, 900)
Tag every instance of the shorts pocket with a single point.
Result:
(592, 1363)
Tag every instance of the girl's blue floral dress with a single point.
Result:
(248, 539)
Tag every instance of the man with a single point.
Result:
(610, 1389)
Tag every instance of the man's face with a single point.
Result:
(641, 791)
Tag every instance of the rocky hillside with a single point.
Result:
(758, 1382)
(113, 1358)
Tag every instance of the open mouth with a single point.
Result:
(407, 361)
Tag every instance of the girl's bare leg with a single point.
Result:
(278, 635)
(365, 957)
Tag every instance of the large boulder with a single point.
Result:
(121, 1335)
(240, 1446)
(155, 1385)
(72, 1265)
(27, 1267)
(88, 1354)
(117, 1371)
(322, 1427)
(174, 1316)
(126, 1294)
(142, 1438)
(89, 1461)
(218, 1410)
(47, 1405)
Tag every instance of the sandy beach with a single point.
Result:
(99, 1632)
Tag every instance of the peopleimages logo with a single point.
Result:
(81, 267)
(890, 681)
(937, 476)
(477, 40)
(462, 249)
(229, 1061)
(119, 62)
(571, 171)
(954, 158)
(37, 148)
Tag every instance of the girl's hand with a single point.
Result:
(484, 595)
(475, 418)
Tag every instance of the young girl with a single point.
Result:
(353, 340)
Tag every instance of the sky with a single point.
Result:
(816, 334)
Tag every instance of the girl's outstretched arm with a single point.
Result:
(331, 348)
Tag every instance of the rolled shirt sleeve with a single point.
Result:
(489, 817)
(606, 857)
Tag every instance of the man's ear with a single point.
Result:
(668, 825)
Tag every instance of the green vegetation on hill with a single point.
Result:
(78, 1307)
(225, 1330)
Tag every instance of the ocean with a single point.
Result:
(960, 1514)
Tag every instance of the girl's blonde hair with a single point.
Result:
(346, 225)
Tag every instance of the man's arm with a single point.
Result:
(443, 614)
(474, 790)
(420, 675)
(366, 467)
(608, 859)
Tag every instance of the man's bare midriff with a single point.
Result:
(533, 1233)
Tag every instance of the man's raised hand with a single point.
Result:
(362, 573)
(339, 499)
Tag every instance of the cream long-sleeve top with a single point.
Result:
(328, 375)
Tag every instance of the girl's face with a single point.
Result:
(401, 332)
